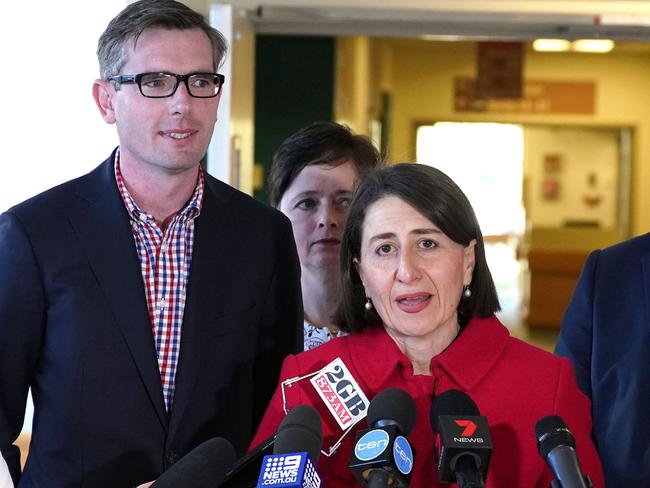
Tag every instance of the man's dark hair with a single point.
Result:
(319, 143)
(139, 16)
(433, 194)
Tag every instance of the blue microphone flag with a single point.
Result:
(292, 470)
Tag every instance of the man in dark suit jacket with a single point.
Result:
(606, 334)
(147, 305)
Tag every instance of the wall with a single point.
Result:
(242, 125)
(52, 130)
(579, 152)
(423, 91)
(353, 82)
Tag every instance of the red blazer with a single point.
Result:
(513, 384)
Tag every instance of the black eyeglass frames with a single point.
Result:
(163, 84)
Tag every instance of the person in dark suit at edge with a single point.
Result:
(605, 333)
(147, 305)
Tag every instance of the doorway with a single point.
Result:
(486, 160)
(538, 191)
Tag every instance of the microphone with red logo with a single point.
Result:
(557, 446)
(295, 451)
(463, 441)
(382, 456)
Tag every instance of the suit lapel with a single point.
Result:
(103, 229)
(211, 262)
(645, 265)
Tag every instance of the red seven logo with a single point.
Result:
(470, 427)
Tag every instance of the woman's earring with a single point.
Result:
(368, 305)
(466, 291)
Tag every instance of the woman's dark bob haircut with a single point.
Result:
(326, 143)
(433, 194)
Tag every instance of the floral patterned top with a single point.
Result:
(316, 336)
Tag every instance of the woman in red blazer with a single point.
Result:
(419, 301)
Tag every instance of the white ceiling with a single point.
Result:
(467, 19)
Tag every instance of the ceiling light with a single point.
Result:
(593, 45)
(551, 45)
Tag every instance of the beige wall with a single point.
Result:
(423, 74)
(581, 152)
(242, 124)
(353, 87)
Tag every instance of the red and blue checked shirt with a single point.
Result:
(165, 259)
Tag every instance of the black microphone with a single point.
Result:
(246, 470)
(300, 430)
(463, 441)
(204, 466)
(557, 446)
(382, 456)
(296, 449)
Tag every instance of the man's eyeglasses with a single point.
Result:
(162, 85)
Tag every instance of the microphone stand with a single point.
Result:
(378, 478)
(467, 476)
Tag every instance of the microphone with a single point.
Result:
(343, 398)
(382, 456)
(557, 446)
(204, 466)
(463, 441)
(246, 470)
(295, 452)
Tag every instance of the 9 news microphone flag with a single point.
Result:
(382, 456)
(295, 452)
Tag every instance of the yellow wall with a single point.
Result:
(242, 125)
(353, 82)
(422, 81)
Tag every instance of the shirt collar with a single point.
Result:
(466, 361)
(189, 212)
(474, 352)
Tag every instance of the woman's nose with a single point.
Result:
(407, 268)
(328, 217)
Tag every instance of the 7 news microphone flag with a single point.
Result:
(463, 441)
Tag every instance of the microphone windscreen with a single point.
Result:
(299, 431)
(452, 402)
(550, 432)
(206, 465)
(393, 404)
